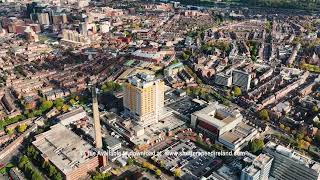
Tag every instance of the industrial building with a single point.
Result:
(223, 79)
(215, 119)
(241, 79)
(223, 124)
(66, 151)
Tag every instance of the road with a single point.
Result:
(10, 157)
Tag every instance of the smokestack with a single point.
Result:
(97, 126)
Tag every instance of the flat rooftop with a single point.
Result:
(111, 141)
(192, 167)
(164, 125)
(71, 113)
(218, 115)
(167, 124)
(294, 155)
(140, 79)
(63, 148)
(241, 131)
(250, 170)
(262, 160)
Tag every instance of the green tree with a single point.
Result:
(185, 56)
(256, 145)
(22, 161)
(281, 126)
(175, 61)
(10, 131)
(126, 33)
(130, 161)
(36, 176)
(57, 176)
(30, 114)
(118, 87)
(45, 105)
(237, 91)
(161, 163)
(177, 172)
(32, 152)
(101, 176)
(72, 101)
(147, 165)
(111, 86)
(317, 124)
(315, 108)
(58, 103)
(264, 115)
(287, 129)
(51, 170)
(158, 172)
(37, 112)
(300, 135)
(22, 128)
(65, 108)
(268, 26)
(25, 166)
(188, 91)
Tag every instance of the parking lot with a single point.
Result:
(186, 106)
(192, 165)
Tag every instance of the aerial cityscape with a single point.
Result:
(159, 89)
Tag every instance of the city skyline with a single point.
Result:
(139, 89)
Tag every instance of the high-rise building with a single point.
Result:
(289, 164)
(241, 79)
(8, 1)
(31, 35)
(97, 127)
(82, 3)
(84, 28)
(259, 169)
(59, 19)
(43, 18)
(74, 38)
(250, 173)
(105, 26)
(263, 162)
(144, 98)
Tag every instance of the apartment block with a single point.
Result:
(144, 98)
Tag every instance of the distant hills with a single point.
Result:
(286, 4)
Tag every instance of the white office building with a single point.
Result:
(259, 169)
(250, 173)
(223, 124)
(289, 164)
